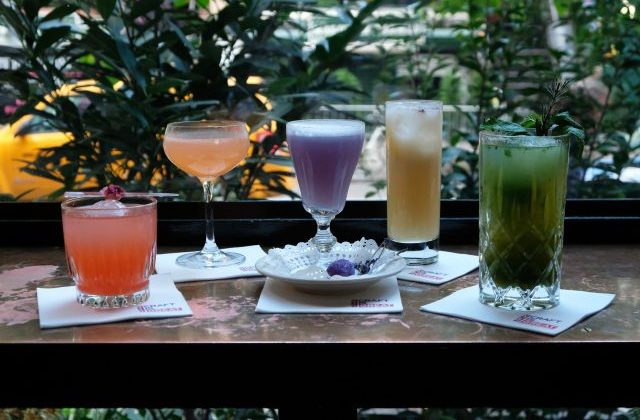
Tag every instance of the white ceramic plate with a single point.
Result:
(304, 268)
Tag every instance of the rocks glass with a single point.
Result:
(523, 184)
(111, 249)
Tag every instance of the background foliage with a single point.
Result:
(153, 62)
(507, 52)
(363, 414)
(262, 61)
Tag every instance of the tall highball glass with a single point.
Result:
(414, 154)
(523, 184)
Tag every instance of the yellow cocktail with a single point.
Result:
(414, 151)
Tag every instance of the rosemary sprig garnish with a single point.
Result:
(556, 91)
(549, 122)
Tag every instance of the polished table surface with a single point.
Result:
(223, 310)
(225, 335)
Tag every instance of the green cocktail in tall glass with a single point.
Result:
(523, 184)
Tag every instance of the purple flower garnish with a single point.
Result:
(365, 266)
(342, 268)
(112, 192)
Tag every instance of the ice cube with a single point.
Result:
(311, 272)
(416, 127)
(107, 204)
(107, 208)
(409, 128)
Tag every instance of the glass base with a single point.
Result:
(201, 260)
(516, 299)
(324, 239)
(112, 301)
(520, 278)
(416, 253)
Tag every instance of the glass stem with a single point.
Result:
(210, 249)
(324, 239)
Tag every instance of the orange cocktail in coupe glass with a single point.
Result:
(207, 150)
(111, 249)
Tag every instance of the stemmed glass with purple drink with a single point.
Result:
(325, 154)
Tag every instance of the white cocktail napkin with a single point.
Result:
(166, 266)
(280, 298)
(574, 306)
(449, 266)
(57, 307)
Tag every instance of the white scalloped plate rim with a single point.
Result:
(350, 283)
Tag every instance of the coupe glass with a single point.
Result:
(207, 150)
(325, 154)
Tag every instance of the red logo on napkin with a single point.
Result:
(371, 303)
(160, 307)
(538, 321)
(426, 275)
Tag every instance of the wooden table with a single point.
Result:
(227, 355)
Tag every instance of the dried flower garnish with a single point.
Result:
(365, 266)
(342, 268)
(346, 268)
(112, 192)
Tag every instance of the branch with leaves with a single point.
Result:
(549, 122)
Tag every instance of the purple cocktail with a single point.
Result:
(325, 154)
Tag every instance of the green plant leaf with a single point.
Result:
(11, 17)
(189, 104)
(59, 12)
(131, 63)
(564, 123)
(184, 3)
(105, 7)
(533, 120)
(31, 8)
(89, 59)
(180, 46)
(210, 52)
(578, 133)
(50, 37)
(331, 50)
(565, 119)
(279, 160)
(281, 85)
(503, 127)
(142, 7)
(577, 146)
